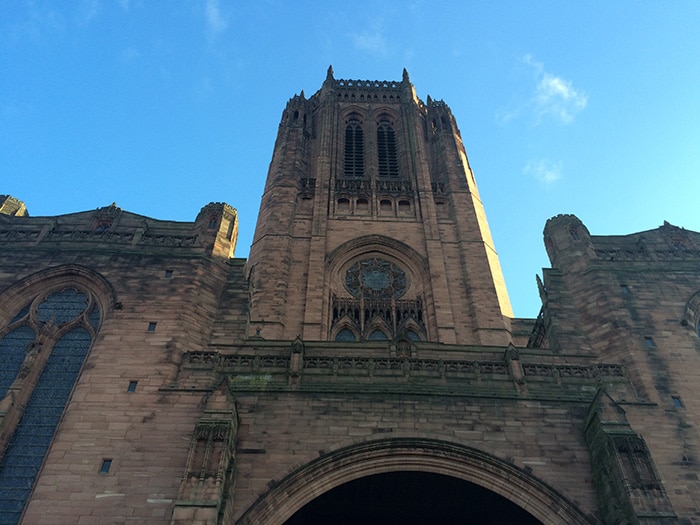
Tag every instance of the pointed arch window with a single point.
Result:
(42, 375)
(354, 149)
(386, 150)
(377, 335)
(345, 335)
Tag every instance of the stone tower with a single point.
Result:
(363, 366)
(371, 226)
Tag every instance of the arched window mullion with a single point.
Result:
(13, 350)
(354, 150)
(65, 323)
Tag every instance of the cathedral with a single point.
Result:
(362, 366)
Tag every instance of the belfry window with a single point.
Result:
(354, 150)
(386, 150)
(41, 354)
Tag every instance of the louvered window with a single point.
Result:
(354, 150)
(386, 149)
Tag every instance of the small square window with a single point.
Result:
(677, 402)
(650, 342)
(625, 289)
(151, 327)
(168, 274)
(132, 386)
(106, 465)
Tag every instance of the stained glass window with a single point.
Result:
(13, 349)
(375, 278)
(345, 335)
(61, 307)
(32, 436)
(412, 336)
(377, 335)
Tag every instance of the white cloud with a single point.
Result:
(544, 170)
(553, 97)
(372, 41)
(216, 21)
(558, 98)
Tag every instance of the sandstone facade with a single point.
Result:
(369, 333)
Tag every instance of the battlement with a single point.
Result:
(113, 229)
(11, 206)
(385, 91)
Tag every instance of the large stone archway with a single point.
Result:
(410, 498)
(307, 483)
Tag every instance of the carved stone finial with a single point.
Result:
(329, 75)
(404, 76)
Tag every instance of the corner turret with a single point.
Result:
(568, 243)
(11, 206)
(220, 221)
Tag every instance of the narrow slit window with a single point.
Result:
(677, 402)
(106, 465)
(650, 342)
(152, 326)
(132, 386)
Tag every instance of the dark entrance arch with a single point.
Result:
(410, 498)
(286, 497)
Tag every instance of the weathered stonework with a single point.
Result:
(369, 333)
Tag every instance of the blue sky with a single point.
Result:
(591, 108)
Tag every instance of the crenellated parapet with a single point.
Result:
(11, 206)
(374, 91)
(666, 243)
(110, 228)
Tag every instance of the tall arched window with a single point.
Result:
(386, 150)
(42, 375)
(354, 150)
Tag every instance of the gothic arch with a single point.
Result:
(379, 243)
(691, 316)
(345, 325)
(46, 281)
(406, 288)
(409, 325)
(352, 113)
(385, 113)
(48, 325)
(424, 455)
